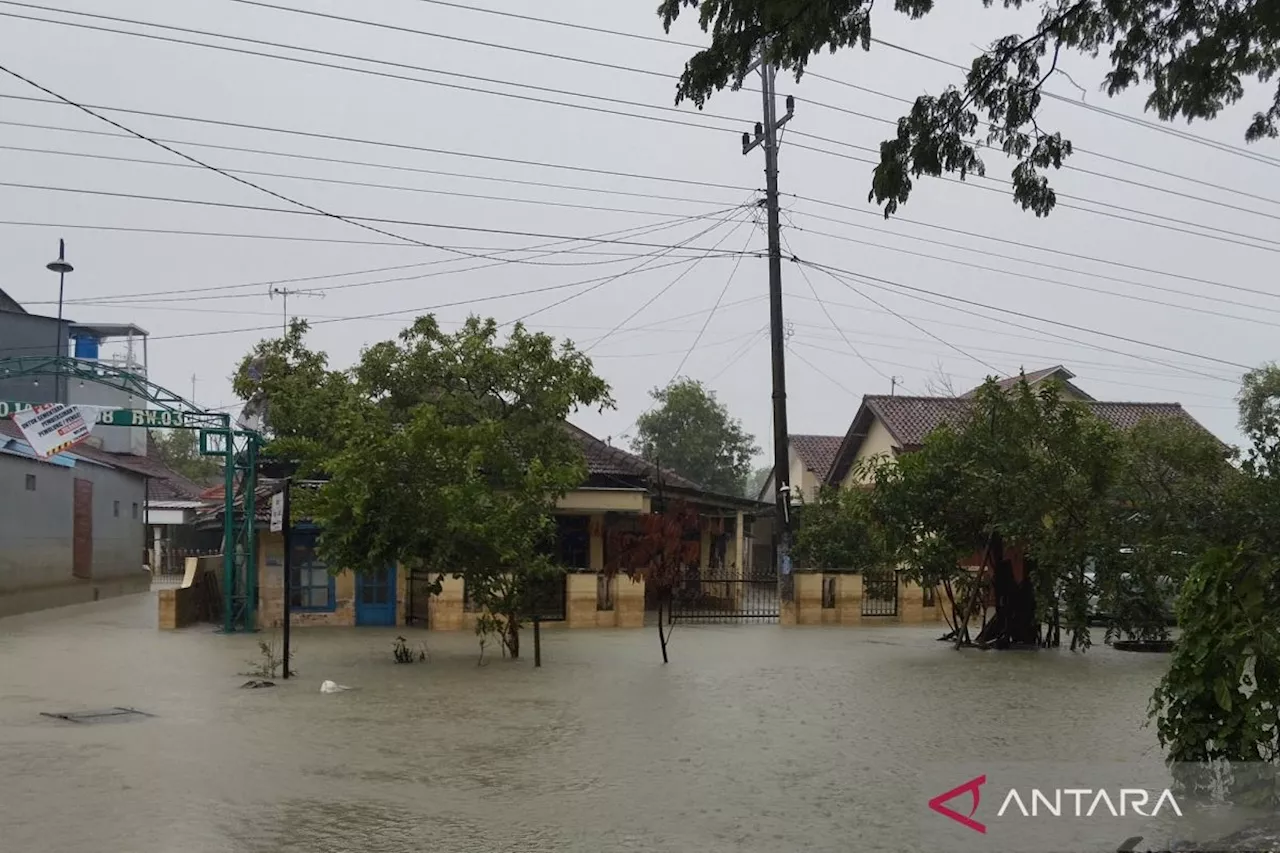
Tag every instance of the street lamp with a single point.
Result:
(61, 267)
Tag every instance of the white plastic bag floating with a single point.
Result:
(332, 687)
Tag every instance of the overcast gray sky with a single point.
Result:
(732, 356)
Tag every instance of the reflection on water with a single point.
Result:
(754, 738)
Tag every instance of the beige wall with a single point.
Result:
(801, 477)
(877, 443)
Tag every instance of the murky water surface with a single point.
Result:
(754, 738)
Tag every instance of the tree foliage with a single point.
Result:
(1015, 503)
(693, 434)
(1193, 59)
(658, 549)
(179, 450)
(441, 452)
(1219, 698)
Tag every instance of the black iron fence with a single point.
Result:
(725, 595)
(880, 594)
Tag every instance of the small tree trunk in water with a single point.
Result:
(512, 638)
(662, 638)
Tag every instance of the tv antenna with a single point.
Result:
(284, 293)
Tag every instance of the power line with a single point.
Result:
(1058, 282)
(324, 214)
(791, 348)
(398, 187)
(823, 305)
(904, 319)
(632, 104)
(611, 279)
(1059, 252)
(712, 313)
(423, 309)
(370, 72)
(330, 137)
(663, 291)
(1273, 245)
(258, 285)
(1132, 164)
(1002, 330)
(675, 43)
(870, 279)
(309, 208)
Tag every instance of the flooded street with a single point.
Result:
(754, 738)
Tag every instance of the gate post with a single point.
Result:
(808, 599)
(910, 601)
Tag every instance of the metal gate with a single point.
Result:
(725, 595)
(417, 599)
(880, 594)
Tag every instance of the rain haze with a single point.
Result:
(1173, 257)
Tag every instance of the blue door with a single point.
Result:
(376, 597)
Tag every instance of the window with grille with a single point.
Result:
(930, 596)
(31, 482)
(828, 593)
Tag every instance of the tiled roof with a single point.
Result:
(1056, 372)
(166, 484)
(607, 461)
(910, 419)
(817, 452)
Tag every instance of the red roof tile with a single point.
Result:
(817, 452)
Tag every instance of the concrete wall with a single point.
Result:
(846, 605)
(30, 335)
(36, 535)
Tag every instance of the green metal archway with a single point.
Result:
(160, 408)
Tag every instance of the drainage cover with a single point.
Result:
(110, 715)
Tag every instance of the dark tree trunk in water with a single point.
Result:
(512, 639)
(662, 638)
(1015, 602)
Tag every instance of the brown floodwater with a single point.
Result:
(754, 738)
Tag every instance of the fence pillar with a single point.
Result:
(628, 602)
(849, 599)
(808, 598)
(580, 600)
(444, 612)
(910, 602)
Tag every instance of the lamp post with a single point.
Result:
(61, 267)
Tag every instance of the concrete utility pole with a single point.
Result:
(285, 293)
(766, 137)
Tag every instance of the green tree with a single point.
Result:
(756, 481)
(441, 452)
(1219, 697)
(692, 433)
(839, 531)
(1259, 400)
(179, 450)
(1193, 60)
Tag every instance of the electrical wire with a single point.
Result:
(712, 313)
(791, 349)
(874, 280)
(1059, 283)
(664, 290)
(384, 74)
(331, 137)
(371, 185)
(324, 214)
(633, 104)
(805, 275)
(1034, 247)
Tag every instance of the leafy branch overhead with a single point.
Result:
(1194, 59)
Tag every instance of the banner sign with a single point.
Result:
(51, 428)
(111, 417)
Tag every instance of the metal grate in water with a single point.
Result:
(110, 715)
